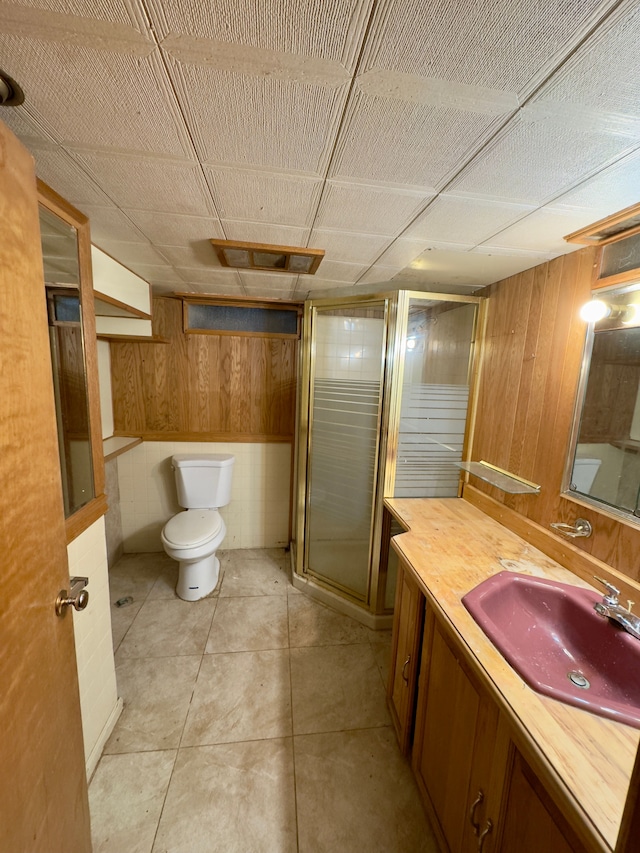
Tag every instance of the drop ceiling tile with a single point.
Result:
(338, 271)
(542, 230)
(197, 255)
(287, 294)
(26, 128)
(384, 139)
(215, 276)
(603, 73)
(266, 232)
(57, 169)
(417, 283)
(466, 221)
(263, 196)
(523, 164)
(379, 274)
(131, 253)
(256, 121)
(268, 280)
(154, 183)
(611, 190)
(368, 209)
(111, 100)
(167, 229)
(348, 246)
(61, 19)
(297, 27)
(112, 225)
(155, 273)
(470, 269)
(217, 289)
(162, 288)
(401, 252)
(502, 44)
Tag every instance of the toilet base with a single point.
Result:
(197, 579)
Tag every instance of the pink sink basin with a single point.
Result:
(554, 639)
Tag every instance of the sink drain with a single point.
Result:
(579, 680)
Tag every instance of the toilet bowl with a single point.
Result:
(193, 536)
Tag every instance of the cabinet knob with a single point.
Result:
(483, 835)
(472, 812)
(404, 669)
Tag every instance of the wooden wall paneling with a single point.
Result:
(535, 366)
(562, 384)
(197, 385)
(260, 351)
(127, 388)
(501, 371)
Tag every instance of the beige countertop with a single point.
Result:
(452, 546)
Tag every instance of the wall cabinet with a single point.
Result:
(405, 653)
(479, 792)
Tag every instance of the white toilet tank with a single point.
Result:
(203, 480)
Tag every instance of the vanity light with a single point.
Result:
(595, 310)
(631, 316)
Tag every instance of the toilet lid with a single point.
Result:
(192, 527)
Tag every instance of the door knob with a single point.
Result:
(77, 597)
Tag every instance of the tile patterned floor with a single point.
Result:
(254, 722)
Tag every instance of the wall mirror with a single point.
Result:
(67, 282)
(604, 463)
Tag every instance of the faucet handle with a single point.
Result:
(612, 593)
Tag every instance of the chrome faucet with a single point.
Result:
(611, 608)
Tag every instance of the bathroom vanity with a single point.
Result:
(500, 767)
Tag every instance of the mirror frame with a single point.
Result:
(83, 518)
(596, 504)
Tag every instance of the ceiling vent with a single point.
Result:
(608, 230)
(267, 258)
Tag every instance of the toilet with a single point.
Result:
(203, 483)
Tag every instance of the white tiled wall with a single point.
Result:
(257, 517)
(94, 650)
(349, 347)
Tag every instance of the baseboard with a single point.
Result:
(96, 752)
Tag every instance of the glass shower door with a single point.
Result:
(344, 421)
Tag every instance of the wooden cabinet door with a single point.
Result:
(405, 652)
(455, 733)
(43, 786)
(531, 822)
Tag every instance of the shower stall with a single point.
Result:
(385, 401)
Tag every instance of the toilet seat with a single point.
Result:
(192, 528)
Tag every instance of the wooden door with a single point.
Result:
(43, 791)
(455, 734)
(532, 822)
(405, 652)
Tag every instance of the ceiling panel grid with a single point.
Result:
(151, 183)
(266, 232)
(396, 141)
(304, 27)
(368, 209)
(263, 196)
(170, 229)
(501, 44)
(261, 121)
(533, 162)
(469, 221)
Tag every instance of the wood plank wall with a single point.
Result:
(527, 391)
(203, 387)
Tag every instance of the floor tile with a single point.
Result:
(166, 628)
(381, 646)
(121, 620)
(126, 796)
(335, 688)
(246, 575)
(134, 576)
(355, 793)
(313, 624)
(240, 696)
(231, 798)
(157, 694)
(249, 624)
